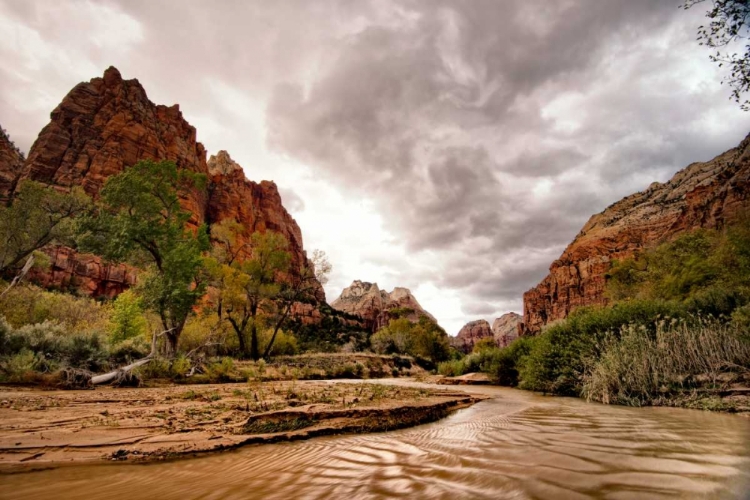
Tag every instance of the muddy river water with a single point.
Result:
(515, 445)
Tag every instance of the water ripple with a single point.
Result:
(516, 445)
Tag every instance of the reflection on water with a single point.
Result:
(517, 445)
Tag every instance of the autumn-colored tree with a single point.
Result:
(248, 276)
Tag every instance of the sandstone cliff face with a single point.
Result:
(505, 328)
(105, 125)
(257, 206)
(83, 273)
(702, 195)
(373, 305)
(470, 334)
(11, 166)
(108, 124)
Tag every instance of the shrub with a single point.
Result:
(424, 340)
(451, 368)
(26, 305)
(555, 362)
(484, 344)
(127, 320)
(504, 364)
(129, 350)
(639, 366)
(221, 371)
(21, 367)
(285, 343)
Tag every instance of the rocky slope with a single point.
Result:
(702, 195)
(505, 328)
(107, 124)
(374, 306)
(11, 165)
(470, 334)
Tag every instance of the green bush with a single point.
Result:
(452, 368)
(504, 364)
(53, 342)
(129, 350)
(221, 371)
(555, 362)
(25, 305)
(424, 340)
(127, 320)
(21, 367)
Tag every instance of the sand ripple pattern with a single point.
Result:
(516, 445)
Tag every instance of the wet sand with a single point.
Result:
(49, 428)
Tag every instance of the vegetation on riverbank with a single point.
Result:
(208, 299)
(676, 331)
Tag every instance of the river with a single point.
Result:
(516, 445)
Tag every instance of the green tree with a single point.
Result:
(140, 220)
(728, 25)
(127, 317)
(37, 216)
(424, 339)
(248, 276)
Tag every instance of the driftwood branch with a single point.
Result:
(115, 374)
(20, 275)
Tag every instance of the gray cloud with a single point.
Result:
(291, 200)
(485, 133)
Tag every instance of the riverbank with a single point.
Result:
(39, 429)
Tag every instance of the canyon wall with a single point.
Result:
(11, 166)
(108, 124)
(703, 195)
(377, 307)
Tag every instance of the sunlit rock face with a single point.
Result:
(703, 195)
(108, 124)
(505, 328)
(377, 307)
(470, 334)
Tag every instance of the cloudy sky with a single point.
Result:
(451, 147)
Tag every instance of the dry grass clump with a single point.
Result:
(643, 367)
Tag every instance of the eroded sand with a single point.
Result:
(43, 428)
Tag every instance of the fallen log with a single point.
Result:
(119, 374)
(111, 376)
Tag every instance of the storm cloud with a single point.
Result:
(453, 147)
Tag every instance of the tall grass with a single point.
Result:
(642, 366)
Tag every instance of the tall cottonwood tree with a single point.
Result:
(139, 220)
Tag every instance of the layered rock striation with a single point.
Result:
(703, 195)
(376, 307)
(108, 124)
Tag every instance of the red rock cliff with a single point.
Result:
(11, 165)
(257, 206)
(107, 124)
(374, 305)
(701, 195)
(470, 334)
